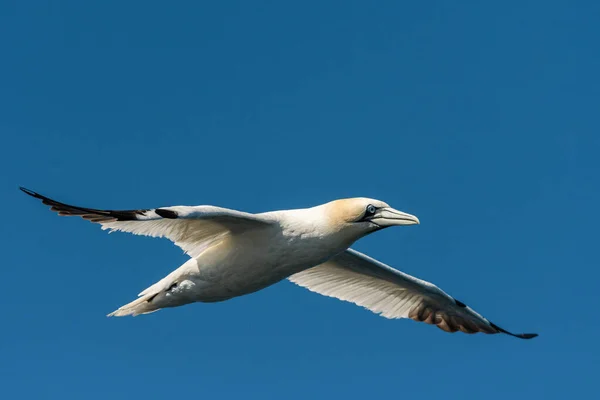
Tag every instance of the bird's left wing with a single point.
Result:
(193, 228)
(357, 278)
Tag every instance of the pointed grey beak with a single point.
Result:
(385, 217)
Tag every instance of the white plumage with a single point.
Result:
(359, 279)
(235, 253)
(194, 229)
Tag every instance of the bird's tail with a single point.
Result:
(141, 305)
(164, 293)
(148, 300)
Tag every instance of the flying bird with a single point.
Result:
(233, 253)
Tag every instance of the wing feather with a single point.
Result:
(354, 277)
(193, 228)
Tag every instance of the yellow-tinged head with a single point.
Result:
(363, 214)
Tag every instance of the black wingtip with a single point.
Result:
(30, 192)
(527, 335)
(517, 335)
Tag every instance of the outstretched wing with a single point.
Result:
(357, 278)
(192, 228)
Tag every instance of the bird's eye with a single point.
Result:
(371, 209)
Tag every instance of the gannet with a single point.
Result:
(234, 253)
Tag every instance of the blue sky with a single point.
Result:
(481, 119)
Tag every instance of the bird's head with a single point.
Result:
(361, 216)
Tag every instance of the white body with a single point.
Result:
(245, 262)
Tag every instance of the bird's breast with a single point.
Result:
(254, 260)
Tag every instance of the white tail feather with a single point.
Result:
(139, 306)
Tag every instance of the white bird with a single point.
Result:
(234, 253)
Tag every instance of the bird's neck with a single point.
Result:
(313, 225)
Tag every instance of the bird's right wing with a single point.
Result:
(193, 228)
(354, 277)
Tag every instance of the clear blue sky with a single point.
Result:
(481, 119)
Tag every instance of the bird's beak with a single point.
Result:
(385, 217)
